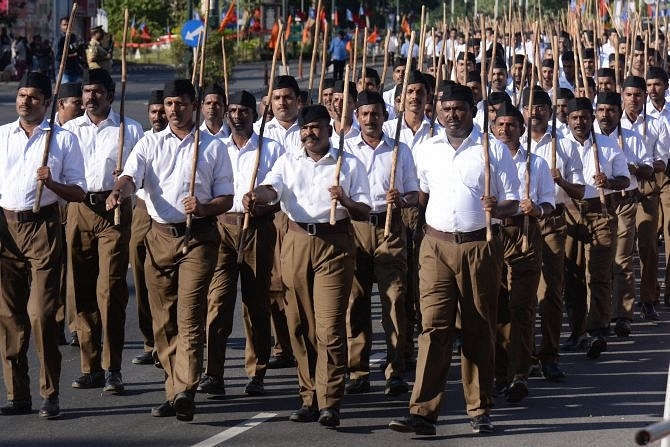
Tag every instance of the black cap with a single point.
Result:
(564, 93)
(588, 53)
(214, 89)
(498, 98)
(95, 29)
(639, 44)
(508, 109)
(399, 62)
(156, 97)
(98, 76)
(366, 98)
(285, 81)
(568, 56)
(246, 99)
(539, 97)
(636, 82)
(328, 83)
(611, 98)
(339, 88)
(606, 73)
(461, 56)
(519, 59)
(499, 64)
(549, 63)
(580, 103)
(179, 87)
(416, 77)
(312, 113)
(372, 73)
(72, 90)
(474, 76)
(35, 79)
(457, 92)
(657, 73)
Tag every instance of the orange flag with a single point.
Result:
(287, 33)
(405, 26)
(274, 34)
(229, 18)
(372, 38)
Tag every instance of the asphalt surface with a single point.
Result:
(602, 402)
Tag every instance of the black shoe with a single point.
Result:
(481, 424)
(622, 327)
(304, 414)
(49, 408)
(113, 382)
(517, 391)
(413, 423)
(74, 341)
(666, 300)
(647, 312)
(92, 380)
(18, 406)
(184, 407)
(255, 387)
(329, 417)
(395, 386)
(575, 343)
(212, 385)
(535, 370)
(281, 362)
(383, 364)
(62, 341)
(597, 345)
(164, 410)
(146, 358)
(500, 388)
(358, 386)
(551, 371)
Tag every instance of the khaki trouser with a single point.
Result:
(646, 222)
(139, 228)
(178, 285)
(550, 289)
(664, 219)
(518, 301)
(97, 266)
(410, 220)
(623, 276)
(66, 314)
(30, 270)
(254, 275)
(282, 338)
(383, 259)
(451, 276)
(318, 272)
(589, 253)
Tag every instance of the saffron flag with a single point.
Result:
(405, 26)
(229, 18)
(372, 38)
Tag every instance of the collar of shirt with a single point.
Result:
(250, 145)
(222, 132)
(385, 142)
(113, 119)
(664, 111)
(330, 156)
(475, 137)
(43, 126)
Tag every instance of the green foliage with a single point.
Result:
(182, 57)
(157, 15)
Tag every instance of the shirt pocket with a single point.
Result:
(472, 176)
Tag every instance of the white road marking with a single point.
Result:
(231, 432)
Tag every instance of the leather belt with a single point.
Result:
(44, 213)
(458, 237)
(379, 219)
(593, 204)
(319, 229)
(558, 210)
(179, 229)
(96, 198)
(516, 220)
(237, 219)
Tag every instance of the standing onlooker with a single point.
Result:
(338, 53)
(73, 70)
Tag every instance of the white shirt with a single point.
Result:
(568, 161)
(611, 158)
(407, 135)
(99, 146)
(377, 162)
(161, 163)
(541, 182)
(388, 97)
(288, 138)
(353, 132)
(656, 136)
(634, 149)
(20, 157)
(455, 180)
(302, 185)
(223, 132)
(243, 160)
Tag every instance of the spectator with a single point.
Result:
(338, 54)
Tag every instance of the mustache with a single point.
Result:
(309, 138)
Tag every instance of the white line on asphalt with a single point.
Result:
(231, 432)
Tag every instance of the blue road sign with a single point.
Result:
(190, 32)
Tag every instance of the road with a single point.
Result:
(601, 403)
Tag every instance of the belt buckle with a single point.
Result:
(174, 231)
(92, 199)
(311, 229)
(458, 237)
(20, 217)
(374, 219)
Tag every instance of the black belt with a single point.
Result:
(44, 213)
(593, 205)
(516, 220)
(237, 219)
(320, 229)
(179, 229)
(379, 219)
(96, 198)
(458, 237)
(559, 209)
